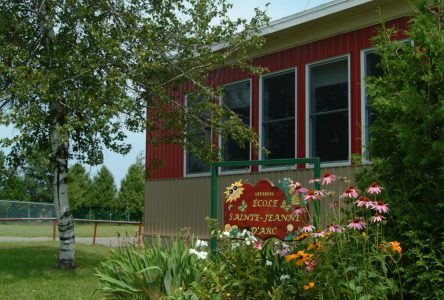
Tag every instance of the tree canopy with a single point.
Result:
(75, 74)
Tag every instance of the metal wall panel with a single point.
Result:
(172, 204)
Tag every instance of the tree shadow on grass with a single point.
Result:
(25, 262)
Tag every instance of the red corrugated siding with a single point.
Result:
(348, 43)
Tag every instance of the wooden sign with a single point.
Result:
(263, 209)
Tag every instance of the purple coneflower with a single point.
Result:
(334, 228)
(320, 193)
(318, 233)
(335, 204)
(299, 188)
(380, 206)
(299, 210)
(363, 201)
(311, 264)
(377, 218)
(314, 180)
(328, 178)
(308, 228)
(311, 195)
(351, 192)
(374, 188)
(357, 224)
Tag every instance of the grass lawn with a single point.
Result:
(27, 272)
(44, 229)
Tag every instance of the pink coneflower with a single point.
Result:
(351, 192)
(299, 188)
(299, 210)
(334, 228)
(320, 193)
(357, 224)
(308, 228)
(335, 204)
(258, 245)
(314, 180)
(363, 201)
(318, 233)
(374, 188)
(380, 206)
(328, 178)
(377, 218)
(311, 264)
(311, 195)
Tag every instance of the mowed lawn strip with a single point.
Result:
(44, 229)
(27, 272)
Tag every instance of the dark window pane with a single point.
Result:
(329, 86)
(330, 136)
(237, 98)
(195, 165)
(198, 133)
(371, 69)
(279, 139)
(278, 96)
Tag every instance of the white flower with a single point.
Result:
(202, 255)
(247, 242)
(200, 244)
(284, 277)
(226, 233)
(268, 263)
(199, 254)
(234, 245)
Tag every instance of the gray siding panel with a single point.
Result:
(173, 204)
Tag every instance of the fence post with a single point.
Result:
(139, 234)
(95, 231)
(54, 229)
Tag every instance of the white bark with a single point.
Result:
(64, 216)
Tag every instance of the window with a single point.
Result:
(328, 97)
(370, 61)
(278, 114)
(198, 132)
(237, 98)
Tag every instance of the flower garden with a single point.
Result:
(349, 258)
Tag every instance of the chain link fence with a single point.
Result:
(22, 209)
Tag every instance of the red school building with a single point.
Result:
(311, 103)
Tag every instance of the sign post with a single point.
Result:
(291, 161)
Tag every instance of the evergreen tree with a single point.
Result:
(103, 191)
(79, 187)
(131, 193)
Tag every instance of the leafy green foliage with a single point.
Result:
(407, 143)
(88, 70)
(155, 272)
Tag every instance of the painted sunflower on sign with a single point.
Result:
(234, 191)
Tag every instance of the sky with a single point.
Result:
(118, 164)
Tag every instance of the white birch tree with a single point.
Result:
(74, 74)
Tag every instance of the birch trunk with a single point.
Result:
(64, 216)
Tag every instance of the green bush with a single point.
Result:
(407, 142)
